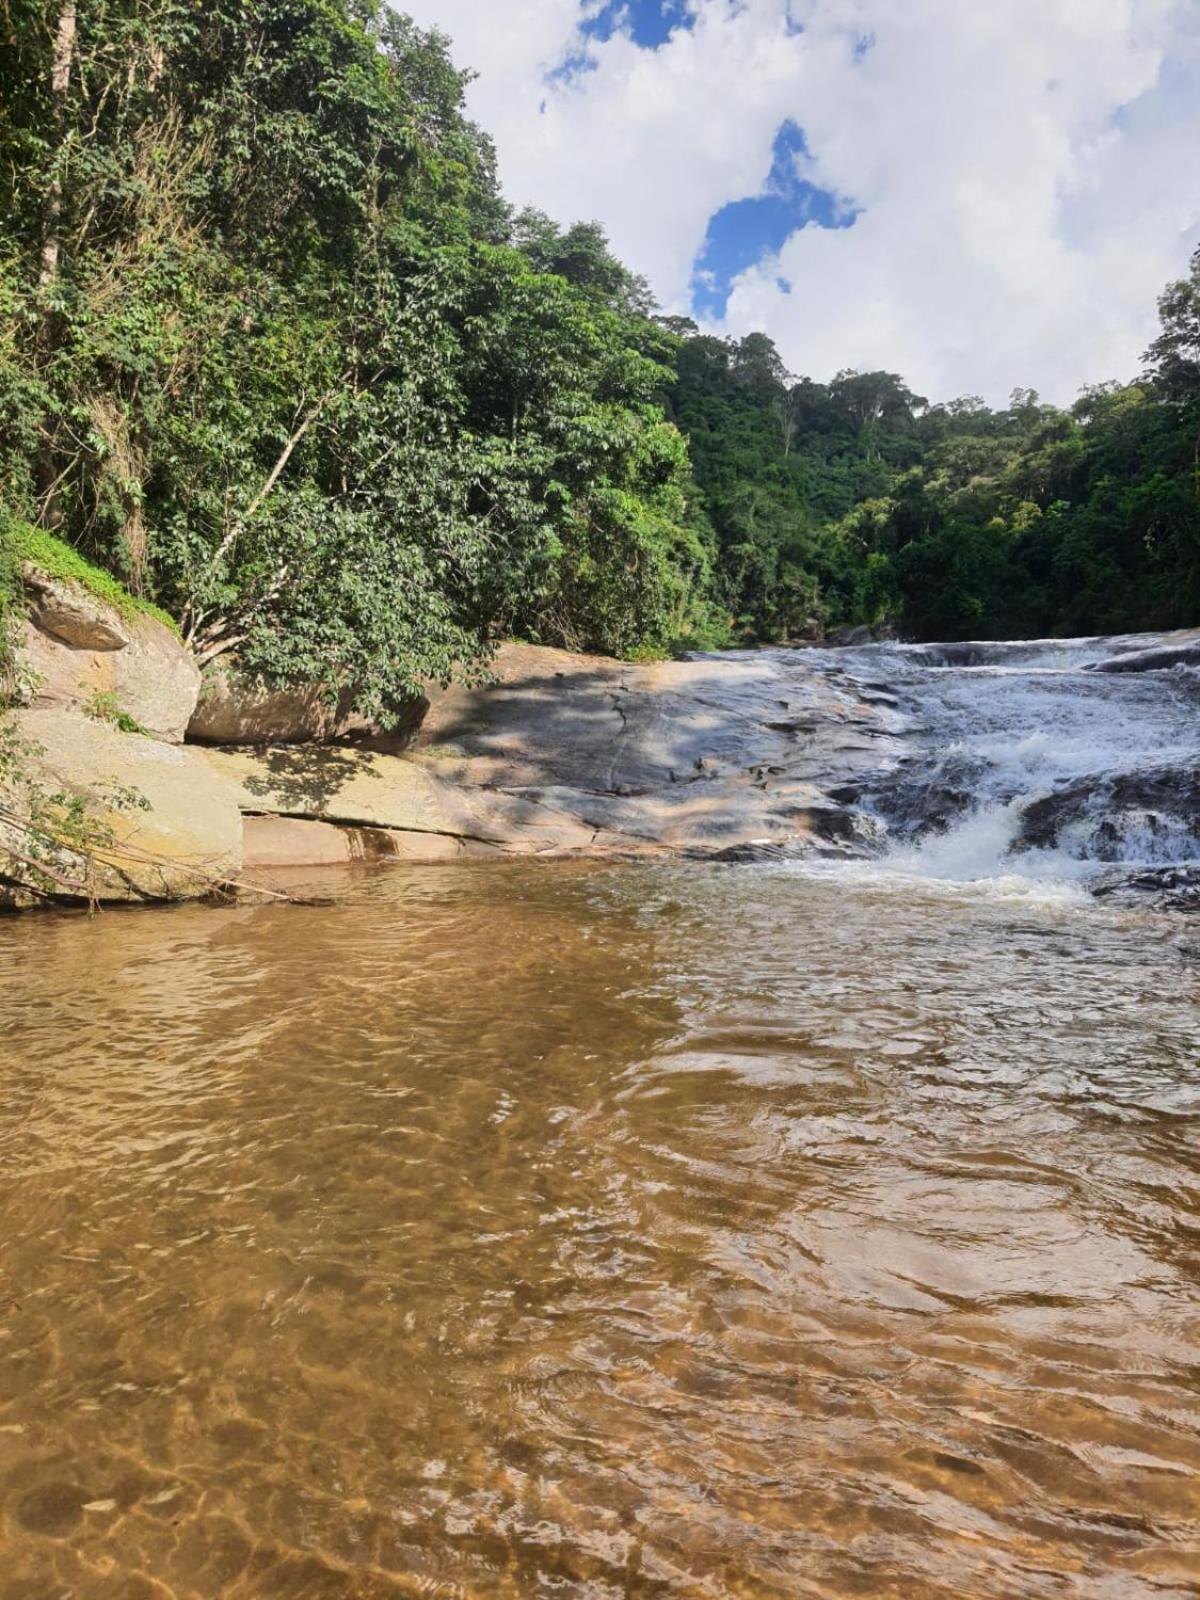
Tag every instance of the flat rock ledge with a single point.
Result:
(737, 757)
(720, 757)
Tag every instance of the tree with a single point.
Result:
(1174, 356)
(274, 350)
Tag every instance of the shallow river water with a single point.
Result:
(567, 1231)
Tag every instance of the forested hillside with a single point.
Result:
(859, 502)
(275, 352)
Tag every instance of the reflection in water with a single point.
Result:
(552, 1231)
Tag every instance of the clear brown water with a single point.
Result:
(578, 1232)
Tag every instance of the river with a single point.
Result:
(576, 1230)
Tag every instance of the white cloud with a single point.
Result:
(1025, 168)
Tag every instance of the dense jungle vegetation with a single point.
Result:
(276, 353)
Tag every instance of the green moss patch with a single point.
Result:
(59, 560)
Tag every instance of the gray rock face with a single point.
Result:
(588, 722)
(1159, 659)
(67, 613)
(567, 754)
(1098, 818)
(186, 839)
(76, 650)
(706, 756)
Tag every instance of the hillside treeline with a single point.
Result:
(275, 351)
(858, 502)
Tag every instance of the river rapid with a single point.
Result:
(1040, 764)
(672, 1230)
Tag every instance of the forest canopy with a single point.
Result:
(275, 351)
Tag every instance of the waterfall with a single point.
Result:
(1072, 761)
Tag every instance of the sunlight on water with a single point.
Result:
(556, 1231)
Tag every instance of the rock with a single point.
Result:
(234, 709)
(54, 674)
(69, 613)
(1157, 659)
(78, 651)
(614, 727)
(294, 842)
(849, 638)
(1111, 817)
(367, 789)
(156, 681)
(278, 842)
(690, 757)
(567, 754)
(186, 842)
(854, 638)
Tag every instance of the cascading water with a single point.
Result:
(1066, 761)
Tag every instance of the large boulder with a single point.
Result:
(174, 821)
(236, 709)
(78, 651)
(70, 614)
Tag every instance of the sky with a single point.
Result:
(976, 194)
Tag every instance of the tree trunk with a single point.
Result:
(60, 82)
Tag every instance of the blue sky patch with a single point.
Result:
(743, 232)
(571, 66)
(649, 22)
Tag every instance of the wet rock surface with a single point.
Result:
(1073, 761)
(1177, 650)
(722, 757)
(1110, 818)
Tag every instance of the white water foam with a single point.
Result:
(1031, 773)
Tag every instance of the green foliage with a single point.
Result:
(277, 359)
(105, 707)
(275, 354)
(855, 502)
(11, 602)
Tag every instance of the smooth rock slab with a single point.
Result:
(186, 842)
(700, 757)
(717, 757)
(366, 789)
